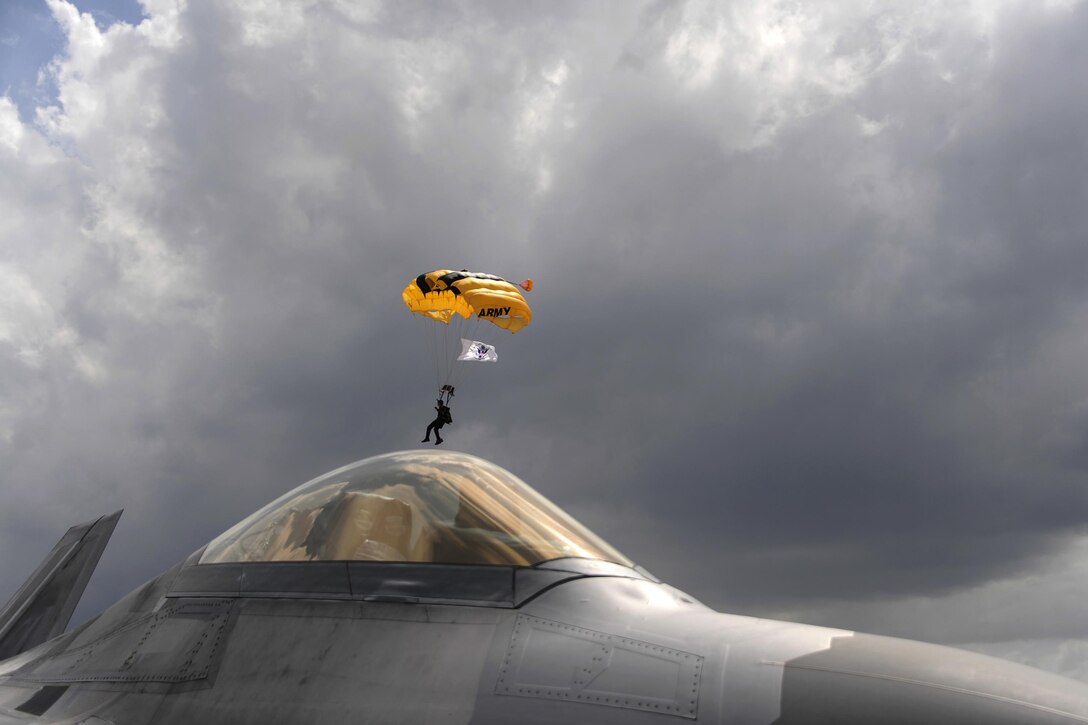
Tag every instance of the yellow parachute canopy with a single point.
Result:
(443, 293)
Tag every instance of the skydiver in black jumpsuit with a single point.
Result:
(440, 420)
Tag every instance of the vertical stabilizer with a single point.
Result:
(42, 607)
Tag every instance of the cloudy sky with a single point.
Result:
(811, 305)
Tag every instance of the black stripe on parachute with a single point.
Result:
(451, 278)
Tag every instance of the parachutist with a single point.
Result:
(440, 420)
(448, 301)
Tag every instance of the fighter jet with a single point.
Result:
(435, 587)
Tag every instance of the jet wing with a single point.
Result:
(42, 607)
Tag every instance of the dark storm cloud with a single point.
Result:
(801, 319)
(857, 458)
(842, 455)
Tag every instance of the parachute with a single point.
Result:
(452, 304)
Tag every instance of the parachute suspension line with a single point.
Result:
(469, 330)
(445, 384)
(453, 351)
(447, 347)
(442, 345)
(440, 351)
(432, 335)
(429, 333)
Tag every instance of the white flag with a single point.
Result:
(475, 351)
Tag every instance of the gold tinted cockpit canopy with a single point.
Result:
(413, 506)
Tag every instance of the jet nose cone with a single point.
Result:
(880, 680)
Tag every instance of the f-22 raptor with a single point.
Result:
(435, 587)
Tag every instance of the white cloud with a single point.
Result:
(695, 50)
(11, 131)
(112, 117)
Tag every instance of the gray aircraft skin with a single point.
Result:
(435, 587)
